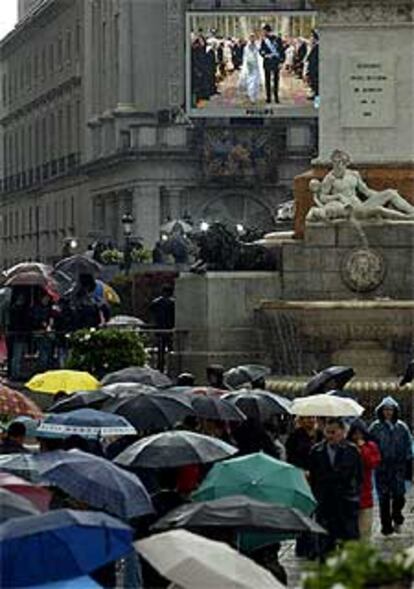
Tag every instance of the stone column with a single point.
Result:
(125, 57)
(146, 211)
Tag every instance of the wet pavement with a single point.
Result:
(388, 545)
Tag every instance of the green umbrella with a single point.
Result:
(261, 477)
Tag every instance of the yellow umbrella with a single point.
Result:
(111, 295)
(69, 381)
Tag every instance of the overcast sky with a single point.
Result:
(8, 16)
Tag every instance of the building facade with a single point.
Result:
(92, 126)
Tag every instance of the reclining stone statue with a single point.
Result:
(342, 194)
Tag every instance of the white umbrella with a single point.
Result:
(190, 561)
(125, 321)
(326, 406)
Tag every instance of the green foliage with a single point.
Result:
(112, 256)
(358, 566)
(99, 351)
(141, 255)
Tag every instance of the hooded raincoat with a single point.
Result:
(394, 441)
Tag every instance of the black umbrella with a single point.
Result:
(240, 513)
(173, 449)
(77, 265)
(245, 374)
(13, 505)
(81, 400)
(408, 374)
(151, 412)
(334, 377)
(259, 405)
(140, 374)
(215, 408)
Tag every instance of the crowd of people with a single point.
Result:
(254, 63)
(348, 463)
(38, 322)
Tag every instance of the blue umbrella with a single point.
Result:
(13, 505)
(61, 544)
(97, 482)
(78, 583)
(88, 423)
(22, 465)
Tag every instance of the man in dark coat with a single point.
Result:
(273, 53)
(394, 441)
(313, 64)
(162, 311)
(336, 476)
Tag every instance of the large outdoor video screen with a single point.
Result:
(252, 64)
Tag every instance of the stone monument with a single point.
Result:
(367, 92)
(344, 290)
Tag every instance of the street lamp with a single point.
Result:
(69, 246)
(127, 222)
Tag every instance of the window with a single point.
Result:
(44, 67)
(60, 52)
(68, 128)
(78, 124)
(63, 223)
(28, 73)
(16, 152)
(78, 39)
(37, 147)
(72, 213)
(60, 133)
(4, 89)
(44, 155)
(5, 163)
(51, 58)
(36, 67)
(68, 46)
(52, 136)
(29, 146)
(22, 76)
(22, 149)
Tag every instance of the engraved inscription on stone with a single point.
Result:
(363, 270)
(367, 92)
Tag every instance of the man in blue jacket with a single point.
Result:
(394, 441)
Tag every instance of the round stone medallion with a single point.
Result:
(363, 270)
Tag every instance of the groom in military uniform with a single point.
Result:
(273, 53)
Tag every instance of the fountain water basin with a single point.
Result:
(373, 336)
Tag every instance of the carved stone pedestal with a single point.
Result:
(397, 176)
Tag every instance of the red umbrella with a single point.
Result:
(39, 496)
(31, 279)
(13, 404)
